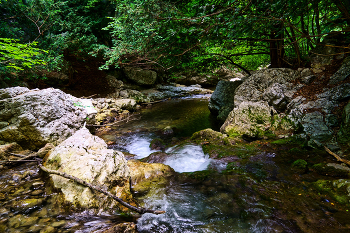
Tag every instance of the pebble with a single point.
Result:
(37, 185)
(26, 204)
(22, 221)
(59, 224)
(37, 192)
(16, 177)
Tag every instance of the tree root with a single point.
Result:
(93, 187)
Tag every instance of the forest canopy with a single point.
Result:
(169, 35)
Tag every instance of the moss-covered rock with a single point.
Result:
(249, 119)
(300, 166)
(332, 169)
(148, 176)
(337, 189)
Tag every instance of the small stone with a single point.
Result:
(21, 221)
(58, 224)
(37, 185)
(48, 229)
(26, 204)
(16, 177)
(37, 192)
(29, 173)
(43, 213)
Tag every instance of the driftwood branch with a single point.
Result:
(24, 158)
(347, 162)
(116, 122)
(93, 187)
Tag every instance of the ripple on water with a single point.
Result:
(187, 158)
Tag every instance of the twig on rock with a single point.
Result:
(116, 122)
(17, 161)
(347, 162)
(93, 187)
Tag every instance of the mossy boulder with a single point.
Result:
(147, 176)
(249, 119)
(332, 169)
(299, 166)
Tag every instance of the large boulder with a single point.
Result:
(221, 102)
(33, 118)
(86, 157)
(140, 76)
(260, 101)
(261, 84)
(248, 119)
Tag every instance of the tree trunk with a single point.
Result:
(276, 47)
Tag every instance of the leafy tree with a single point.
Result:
(284, 30)
(18, 56)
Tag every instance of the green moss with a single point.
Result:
(282, 141)
(202, 175)
(299, 166)
(338, 194)
(300, 163)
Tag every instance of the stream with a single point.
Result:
(258, 194)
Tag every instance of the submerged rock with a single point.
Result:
(36, 117)
(86, 157)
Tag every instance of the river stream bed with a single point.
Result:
(256, 193)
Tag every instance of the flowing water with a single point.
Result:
(259, 196)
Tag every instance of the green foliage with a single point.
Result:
(18, 56)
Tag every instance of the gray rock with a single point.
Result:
(114, 82)
(86, 157)
(140, 76)
(344, 132)
(254, 86)
(275, 96)
(306, 72)
(342, 73)
(37, 117)
(308, 79)
(221, 102)
(315, 126)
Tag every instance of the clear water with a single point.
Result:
(266, 200)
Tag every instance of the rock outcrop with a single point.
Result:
(86, 157)
(266, 102)
(141, 77)
(260, 101)
(33, 118)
